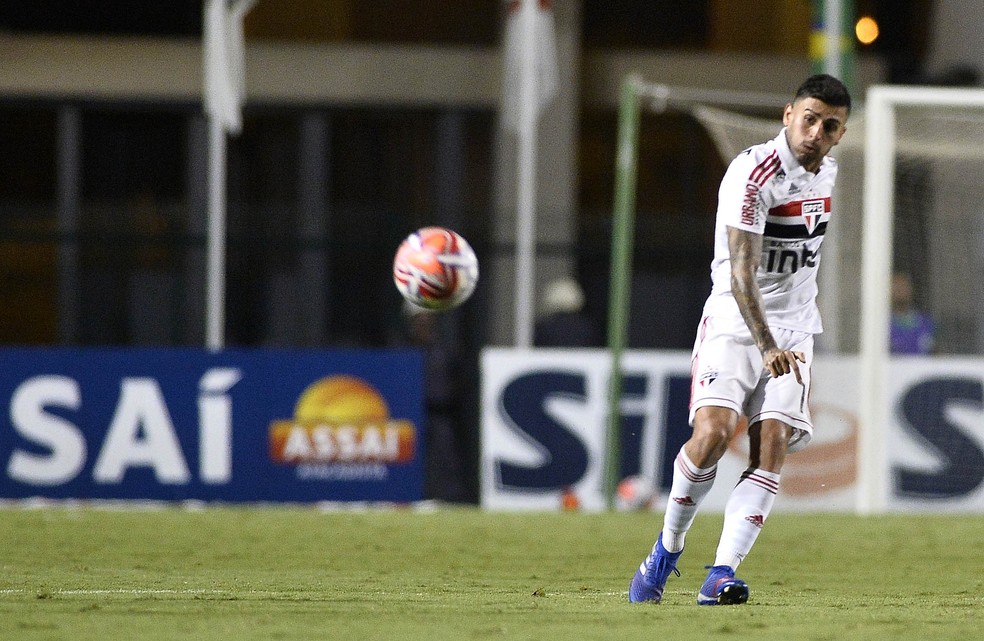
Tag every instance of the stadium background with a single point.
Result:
(353, 136)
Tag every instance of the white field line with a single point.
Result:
(193, 592)
(137, 592)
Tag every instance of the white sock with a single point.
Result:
(745, 514)
(690, 485)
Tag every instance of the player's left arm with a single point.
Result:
(745, 248)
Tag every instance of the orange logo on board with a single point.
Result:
(341, 419)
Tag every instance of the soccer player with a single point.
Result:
(754, 344)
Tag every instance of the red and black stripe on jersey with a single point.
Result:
(791, 232)
(788, 221)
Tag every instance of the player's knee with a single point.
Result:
(768, 442)
(711, 436)
(772, 433)
(714, 435)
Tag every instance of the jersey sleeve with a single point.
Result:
(740, 201)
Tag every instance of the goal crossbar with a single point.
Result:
(662, 96)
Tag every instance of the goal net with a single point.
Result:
(909, 195)
(924, 158)
(926, 167)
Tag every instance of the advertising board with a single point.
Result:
(181, 424)
(544, 423)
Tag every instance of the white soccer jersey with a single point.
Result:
(767, 191)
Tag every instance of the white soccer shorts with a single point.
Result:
(727, 371)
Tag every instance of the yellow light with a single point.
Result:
(866, 30)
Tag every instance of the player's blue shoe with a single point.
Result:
(648, 582)
(722, 588)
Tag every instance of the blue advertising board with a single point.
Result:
(233, 425)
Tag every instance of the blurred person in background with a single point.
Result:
(913, 330)
(563, 321)
(443, 390)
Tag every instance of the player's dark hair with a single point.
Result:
(825, 88)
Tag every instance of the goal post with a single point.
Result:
(623, 223)
(947, 129)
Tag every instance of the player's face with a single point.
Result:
(812, 128)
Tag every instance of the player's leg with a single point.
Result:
(747, 509)
(723, 376)
(713, 429)
(726, 370)
(779, 418)
(695, 469)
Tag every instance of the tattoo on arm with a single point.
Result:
(746, 253)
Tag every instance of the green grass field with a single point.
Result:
(297, 573)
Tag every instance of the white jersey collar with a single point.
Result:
(789, 162)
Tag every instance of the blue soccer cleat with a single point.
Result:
(648, 581)
(722, 588)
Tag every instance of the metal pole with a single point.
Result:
(215, 240)
(623, 225)
(69, 191)
(832, 40)
(224, 87)
(526, 182)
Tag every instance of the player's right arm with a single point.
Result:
(745, 248)
(741, 208)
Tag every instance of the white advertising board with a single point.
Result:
(544, 418)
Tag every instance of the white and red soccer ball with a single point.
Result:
(636, 492)
(435, 268)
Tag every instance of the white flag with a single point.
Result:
(530, 57)
(223, 72)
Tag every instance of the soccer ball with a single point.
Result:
(435, 268)
(635, 493)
